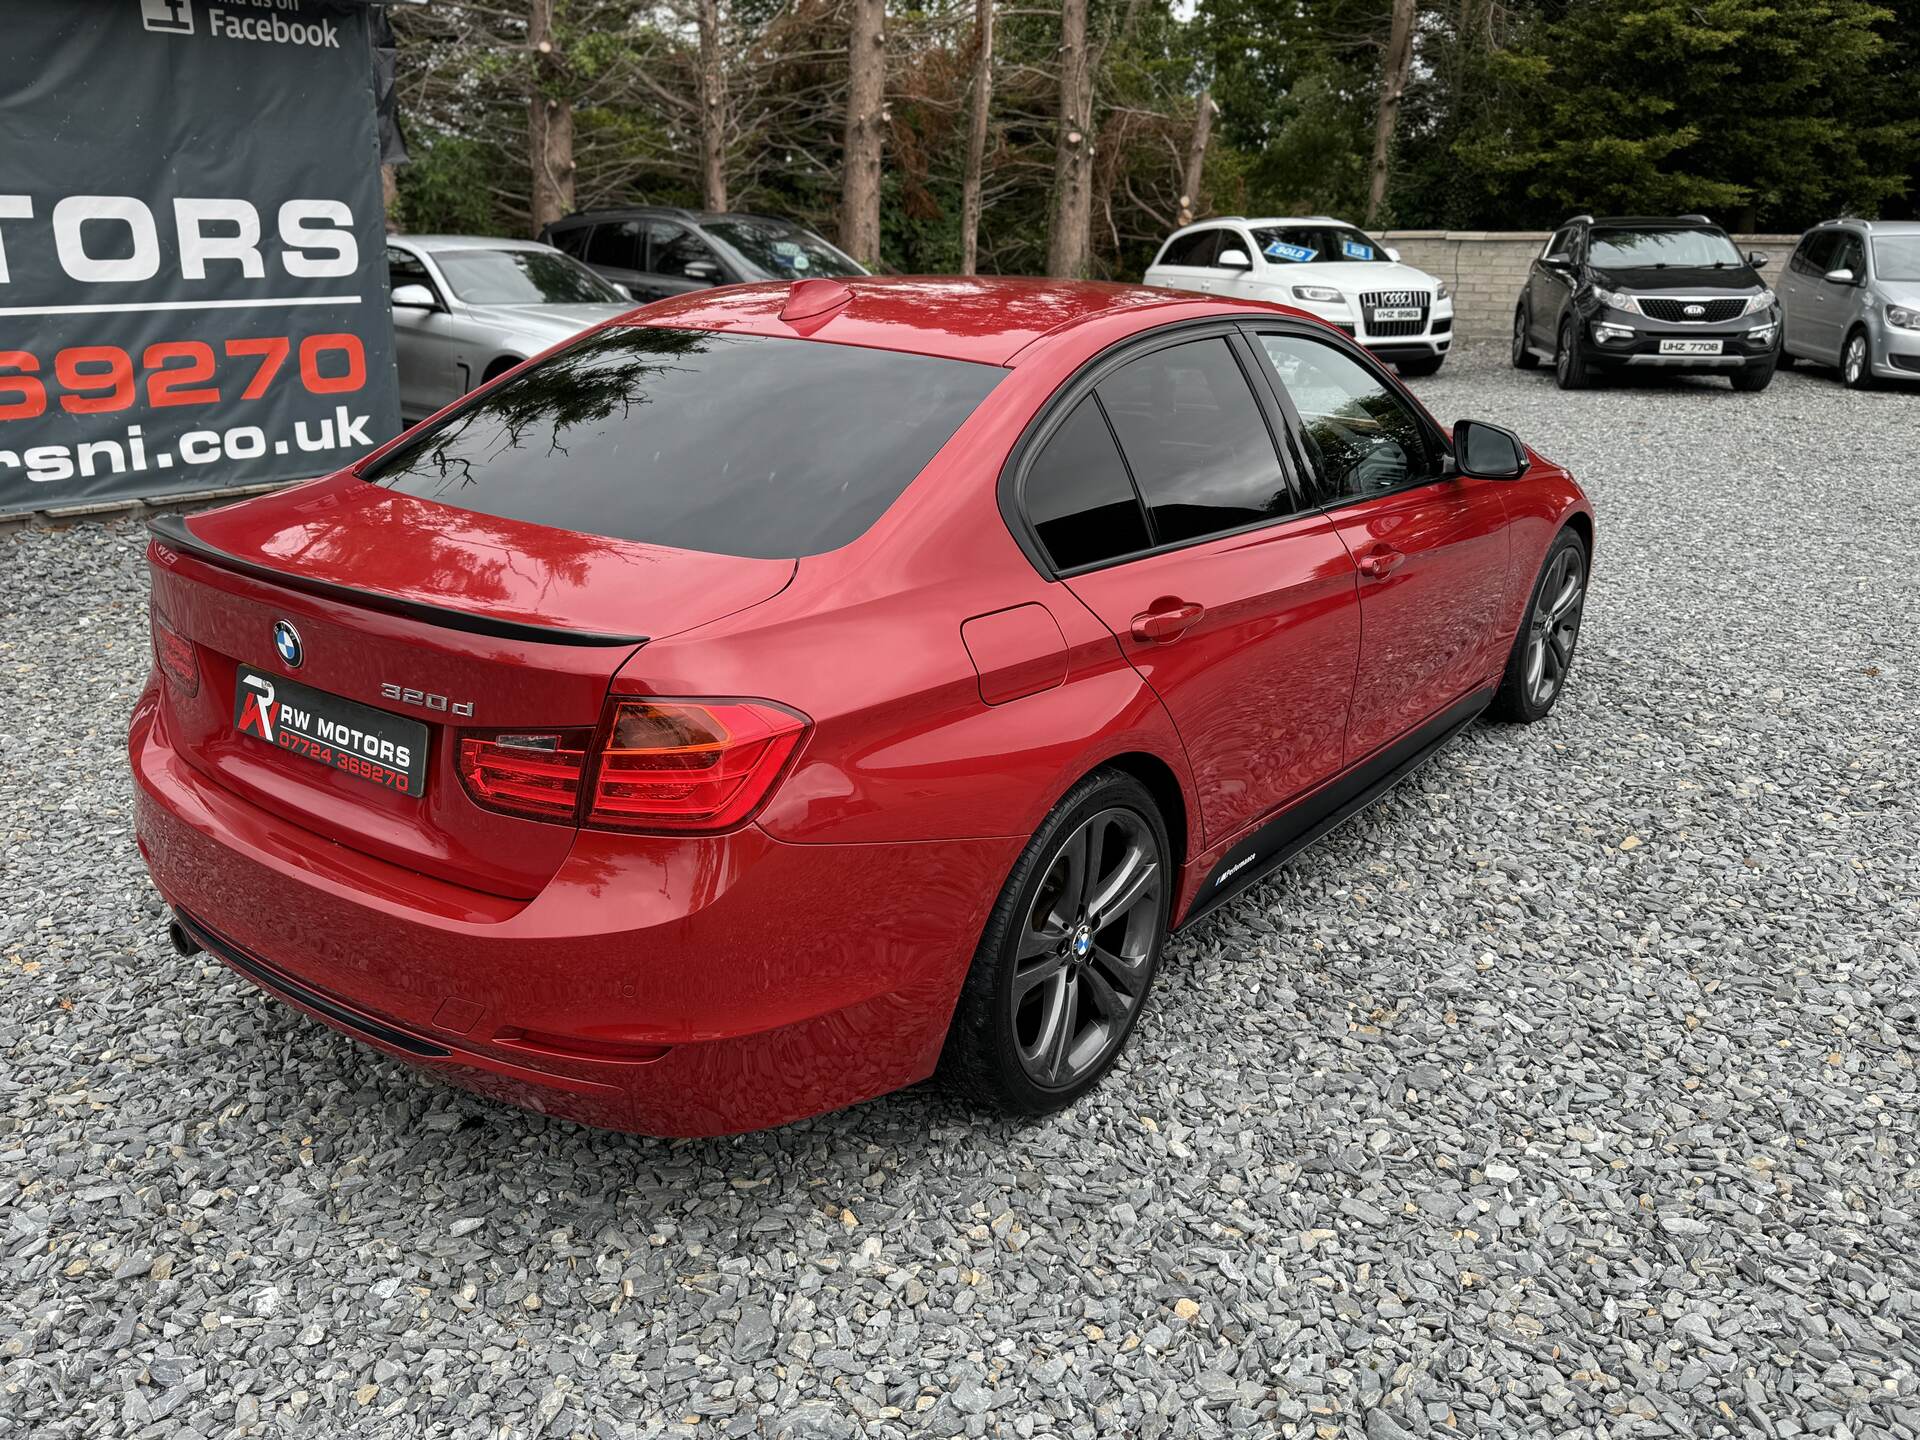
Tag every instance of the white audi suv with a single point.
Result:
(1321, 265)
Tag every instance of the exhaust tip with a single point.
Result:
(184, 943)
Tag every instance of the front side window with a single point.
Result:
(1896, 257)
(1315, 244)
(678, 252)
(1617, 248)
(1849, 254)
(524, 277)
(404, 268)
(1197, 249)
(616, 245)
(1561, 244)
(782, 252)
(1195, 439)
(1361, 436)
(1078, 496)
(732, 444)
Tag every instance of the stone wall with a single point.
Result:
(1486, 269)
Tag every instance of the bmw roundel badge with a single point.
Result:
(286, 640)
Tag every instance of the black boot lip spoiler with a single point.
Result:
(172, 530)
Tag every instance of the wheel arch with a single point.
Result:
(1163, 784)
(499, 366)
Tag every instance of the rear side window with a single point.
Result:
(1195, 440)
(732, 444)
(1078, 495)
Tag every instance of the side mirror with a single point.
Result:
(1393, 254)
(1840, 277)
(1488, 452)
(1558, 260)
(1234, 260)
(704, 270)
(414, 297)
(626, 290)
(1758, 259)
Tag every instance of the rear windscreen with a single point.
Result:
(732, 444)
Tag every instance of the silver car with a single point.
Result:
(466, 307)
(1851, 297)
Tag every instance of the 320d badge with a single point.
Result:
(821, 686)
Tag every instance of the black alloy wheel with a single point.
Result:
(1543, 651)
(1069, 953)
(1523, 356)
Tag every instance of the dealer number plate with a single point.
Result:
(1398, 312)
(370, 745)
(1689, 347)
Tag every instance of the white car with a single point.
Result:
(467, 307)
(1321, 265)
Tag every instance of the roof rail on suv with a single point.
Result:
(678, 212)
(1576, 220)
(1697, 219)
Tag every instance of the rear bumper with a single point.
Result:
(659, 985)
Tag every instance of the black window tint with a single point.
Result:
(1195, 440)
(735, 444)
(572, 239)
(615, 243)
(1361, 436)
(1195, 249)
(1560, 244)
(1819, 250)
(1078, 495)
(1849, 254)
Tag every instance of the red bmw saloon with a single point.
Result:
(782, 694)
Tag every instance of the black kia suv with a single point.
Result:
(1630, 292)
(654, 251)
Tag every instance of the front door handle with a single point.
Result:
(1167, 619)
(1380, 561)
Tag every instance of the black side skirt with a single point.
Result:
(1291, 831)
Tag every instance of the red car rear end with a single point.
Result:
(680, 733)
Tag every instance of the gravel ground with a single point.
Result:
(1571, 1091)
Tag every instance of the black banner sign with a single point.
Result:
(192, 270)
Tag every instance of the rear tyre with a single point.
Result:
(1856, 361)
(1522, 353)
(1543, 650)
(1753, 377)
(1414, 369)
(1069, 953)
(1570, 359)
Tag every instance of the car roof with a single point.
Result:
(1648, 222)
(1247, 220)
(433, 244)
(987, 319)
(676, 212)
(1877, 227)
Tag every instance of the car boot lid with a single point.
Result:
(370, 546)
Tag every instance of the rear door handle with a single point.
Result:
(1380, 561)
(1167, 621)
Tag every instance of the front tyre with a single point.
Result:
(1069, 953)
(1570, 359)
(1543, 650)
(1753, 377)
(1522, 353)
(1856, 361)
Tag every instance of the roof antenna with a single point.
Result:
(808, 298)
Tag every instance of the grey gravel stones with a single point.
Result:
(1570, 1092)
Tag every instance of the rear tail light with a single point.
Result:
(175, 654)
(536, 775)
(674, 766)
